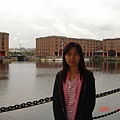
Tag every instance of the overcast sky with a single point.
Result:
(26, 20)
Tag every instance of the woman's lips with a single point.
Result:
(71, 61)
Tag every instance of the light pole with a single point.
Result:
(62, 48)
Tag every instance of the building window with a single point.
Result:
(2, 36)
(2, 43)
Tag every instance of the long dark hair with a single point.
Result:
(81, 64)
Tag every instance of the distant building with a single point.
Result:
(4, 44)
(22, 51)
(111, 47)
(53, 45)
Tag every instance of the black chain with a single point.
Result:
(49, 99)
(105, 115)
(108, 93)
(25, 105)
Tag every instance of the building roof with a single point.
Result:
(4, 33)
(111, 39)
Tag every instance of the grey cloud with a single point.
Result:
(95, 19)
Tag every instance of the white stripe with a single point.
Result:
(70, 99)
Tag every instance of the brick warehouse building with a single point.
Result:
(53, 45)
(111, 47)
(4, 44)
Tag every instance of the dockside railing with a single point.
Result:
(49, 99)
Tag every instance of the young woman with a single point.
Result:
(74, 88)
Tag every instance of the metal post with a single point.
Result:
(62, 48)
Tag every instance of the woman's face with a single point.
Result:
(72, 57)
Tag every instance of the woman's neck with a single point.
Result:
(73, 73)
(73, 70)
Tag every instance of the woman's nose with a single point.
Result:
(72, 56)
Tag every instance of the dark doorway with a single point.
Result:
(111, 53)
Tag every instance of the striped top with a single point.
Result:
(71, 88)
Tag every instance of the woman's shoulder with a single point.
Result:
(59, 76)
(88, 71)
(59, 73)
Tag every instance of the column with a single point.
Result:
(107, 54)
(103, 54)
(116, 54)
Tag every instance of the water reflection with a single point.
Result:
(4, 70)
(48, 64)
(104, 66)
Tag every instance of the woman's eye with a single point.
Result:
(76, 53)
